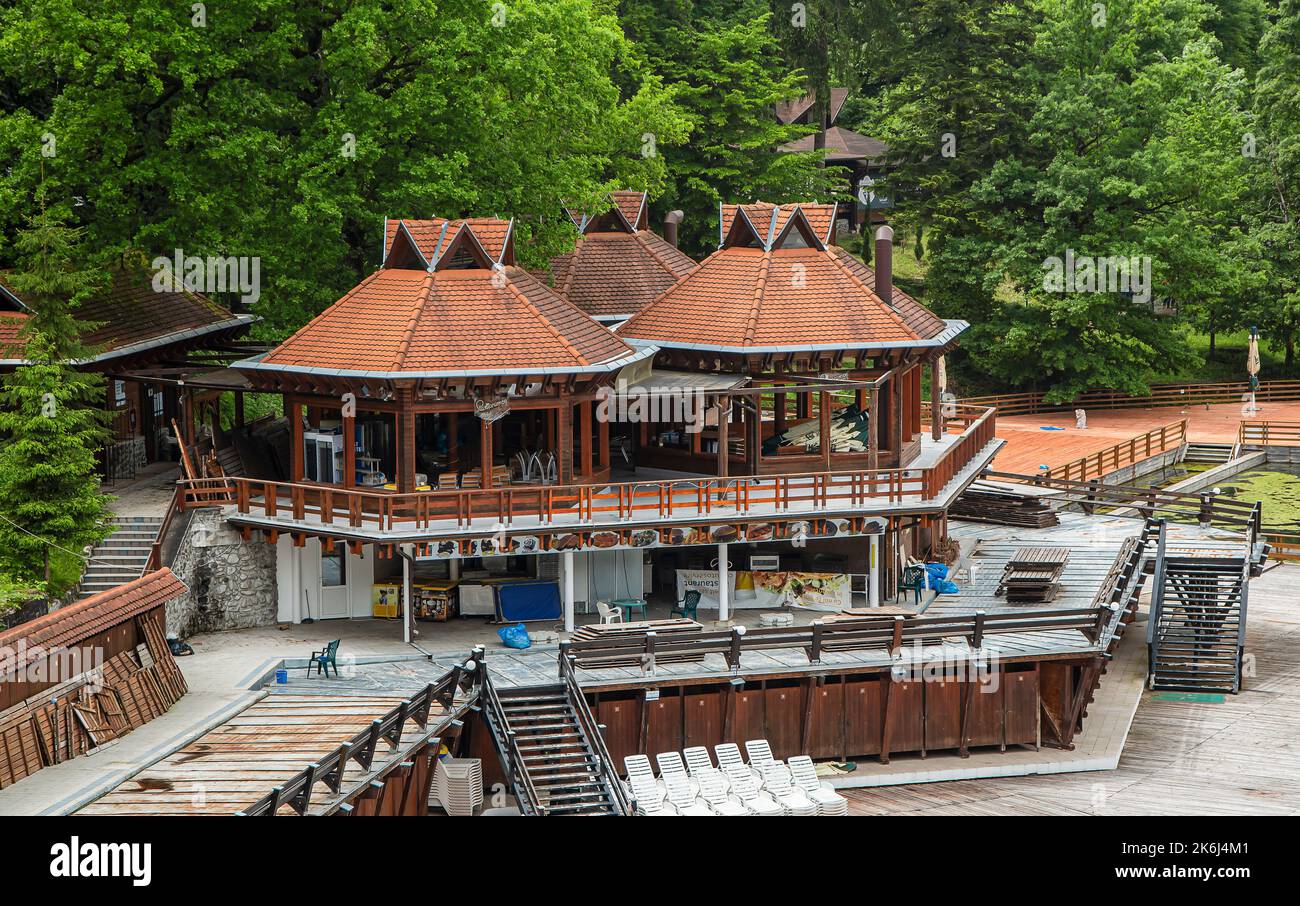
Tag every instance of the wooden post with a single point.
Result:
(405, 440)
(293, 411)
(779, 414)
(564, 442)
(873, 429)
(936, 408)
(896, 413)
(586, 415)
(724, 413)
(602, 445)
(824, 417)
(349, 451)
(485, 452)
(239, 408)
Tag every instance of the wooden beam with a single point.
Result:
(293, 410)
(586, 417)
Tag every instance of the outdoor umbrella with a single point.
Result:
(939, 386)
(1252, 367)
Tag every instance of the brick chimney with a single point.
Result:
(671, 221)
(885, 264)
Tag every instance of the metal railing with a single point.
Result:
(296, 792)
(624, 805)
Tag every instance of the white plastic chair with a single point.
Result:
(641, 784)
(609, 615)
(714, 790)
(683, 798)
(745, 787)
(760, 756)
(728, 754)
(829, 803)
(778, 785)
(700, 765)
(670, 764)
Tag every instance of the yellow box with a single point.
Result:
(385, 600)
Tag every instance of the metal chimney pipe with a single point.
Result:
(885, 264)
(671, 221)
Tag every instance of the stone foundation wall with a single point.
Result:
(127, 458)
(231, 581)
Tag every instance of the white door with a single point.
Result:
(334, 583)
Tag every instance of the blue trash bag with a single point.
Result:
(937, 573)
(515, 636)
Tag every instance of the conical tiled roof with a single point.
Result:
(618, 264)
(777, 285)
(468, 310)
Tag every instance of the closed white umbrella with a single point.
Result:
(939, 386)
(1252, 367)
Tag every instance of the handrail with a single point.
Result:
(1124, 453)
(1268, 434)
(296, 792)
(1031, 403)
(1157, 596)
(176, 505)
(592, 730)
(607, 503)
(512, 758)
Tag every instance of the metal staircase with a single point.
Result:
(551, 749)
(1196, 633)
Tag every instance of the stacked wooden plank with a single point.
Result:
(1033, 575)
(1003, 508)
(625, 643)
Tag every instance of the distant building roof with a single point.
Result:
(448, 302)
(843, 145)
(130, 316)
(778, 285)
(618, 263)
(801, 108)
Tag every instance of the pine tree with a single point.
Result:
(52, 417)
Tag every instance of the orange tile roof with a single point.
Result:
(130, 313)
(819, 217)
(630, 212)
(783, 297)
(616, 274)
(69, 625)
(411, 323)
(11, 322)
(433, 237)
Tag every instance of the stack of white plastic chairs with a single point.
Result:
(763, 786)
(829, 802)
(458, 785)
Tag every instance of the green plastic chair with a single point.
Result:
(324, 659)
(913, 580)
(686, 607)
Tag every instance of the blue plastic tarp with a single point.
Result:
(519, 602)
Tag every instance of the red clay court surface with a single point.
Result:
(1028, 447)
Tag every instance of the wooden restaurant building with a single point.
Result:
(455, 422)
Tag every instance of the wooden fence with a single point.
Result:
(1268, 434)
(1125, 453)
(1160, 395)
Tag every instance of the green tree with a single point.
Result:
(726, 73)
(289, 131)
(50, 427)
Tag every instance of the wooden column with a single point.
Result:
(349, 451)
(724, 411)
(602, 444)
(293, 412)
(564, 442)
(586, 419)
(453, 441)
(239, 408)
(754, 435)
(824, 418)
(873, 429)
(936, 408)
(485, 454)
(896, 418)
(405, 441)
(779, 412)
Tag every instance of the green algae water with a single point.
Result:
(1275, 485)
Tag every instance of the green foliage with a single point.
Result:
(289, 131)
(50, 427)
(725, 72)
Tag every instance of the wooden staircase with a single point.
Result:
(1197, 629)
(551, 750)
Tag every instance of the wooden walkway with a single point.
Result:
(1216, 755)
(1028, 446)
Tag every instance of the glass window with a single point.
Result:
(333, 569)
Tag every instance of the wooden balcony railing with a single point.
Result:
(1268, 434)
(561, 506)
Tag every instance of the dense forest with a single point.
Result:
(1018, 130)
